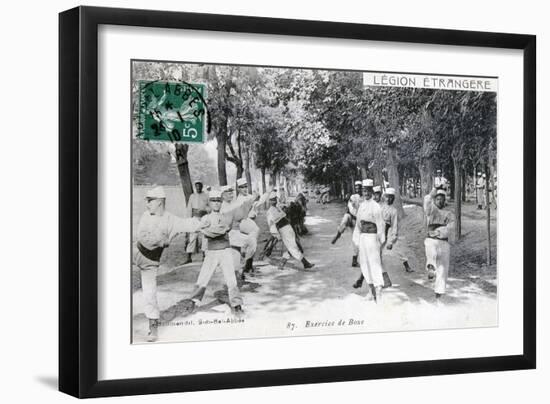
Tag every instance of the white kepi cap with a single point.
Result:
(241, 182)
(214, 194)
(155, 193)
(377, 188)
(358, 183)
(390, 191)
(441, 192)
(368, 183)
(226, 188)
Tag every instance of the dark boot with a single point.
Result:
(335, 239)
(248, 265)
(187, 259)
(359, 282)
(387, 280)
(407, 267)
(307, 264)
(354, 261)
(238, 310)
(431, 272)
(153, 334)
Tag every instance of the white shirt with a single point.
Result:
(370, 211)
(159, 230)
(198, 201)
(273, 215)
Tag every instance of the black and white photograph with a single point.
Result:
(275, 201)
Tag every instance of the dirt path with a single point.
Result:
(275, 298)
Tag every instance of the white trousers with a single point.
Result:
(438, 253)
(195, 243)
(148, 271)
(220, 258)
(289, 240)
(369, 258)
(252, 231)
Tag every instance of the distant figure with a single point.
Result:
(196, 207)
(440, 182)
(325, 195)
(377, 193)
(302, 200)
(480, 189)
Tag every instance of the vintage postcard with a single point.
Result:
(284, 201)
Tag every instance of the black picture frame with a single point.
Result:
(78, 196)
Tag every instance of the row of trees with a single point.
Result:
(325, 127)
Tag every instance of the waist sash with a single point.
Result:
(153, 255)
(367, 227)
(435, 226)
(217, 243)
(282, 223)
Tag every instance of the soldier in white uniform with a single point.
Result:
(156, 229)
(279, 227)
(371, 228)
(215, 227)
(480, 189)
(245, 212)
(237, 240)
(196, 207)
(440, 225)
(349, 220)
(440, 182)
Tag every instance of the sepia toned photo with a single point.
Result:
(284, 202)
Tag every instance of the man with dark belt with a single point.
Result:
(197, 207)
(389, 213)
(440, 224)
(349, 220)
(371, 228)
(245, 213)
(279, 227)
(156, 229)
(215, 227)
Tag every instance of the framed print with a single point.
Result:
(250, 201)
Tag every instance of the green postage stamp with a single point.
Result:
(172, 111)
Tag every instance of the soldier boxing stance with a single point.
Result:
(156, 229)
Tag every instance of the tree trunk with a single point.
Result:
(363, 173)
(458, 198)
(239, 170)
(222, 175)
(247, 170)
(463, 180)
(264, 188)
(426, 180)
(393, 179)
(183, 169)
(488, 208)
